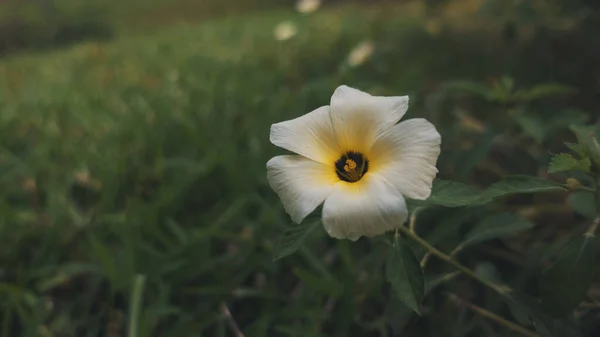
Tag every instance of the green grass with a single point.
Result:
(148, 156)
(142, 162)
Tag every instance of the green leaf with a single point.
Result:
(519, 184)
(452, 194)
(566, 283)
(404, 272)
(566, 162)
(398, 315)
(475, 88)
(540, 126)
(322, 284)
(543, 322)
(531, 125)
(497, 226)
(543, 90)
(583, 203)
(293, 238)
(581, 150)
(589, 137)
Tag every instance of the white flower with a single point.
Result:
(355, 160)
(360, 53)
(307, 6)
(285, 30)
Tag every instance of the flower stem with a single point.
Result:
(446, 258)
(502, 321)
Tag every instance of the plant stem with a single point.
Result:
(591, 232)
(233, 326)
(481, 311)
(445, 257)
(136, 305)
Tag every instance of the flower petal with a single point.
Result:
(310, 135)
(406, 156)
(368, 207)
(358, 118)
(300, 183)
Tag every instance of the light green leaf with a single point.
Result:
(581, 150)
(589, 137)
(566, 162)
(543, 90)
(496, 226)
(293, 238)
(404, 272)
(566, 283)
(519, 184)
(532, 125)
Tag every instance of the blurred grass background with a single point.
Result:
(134, 137)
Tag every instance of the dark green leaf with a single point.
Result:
(496, 226)
(398, 315)
(321, 284)
(404, 272)
(583, 203)
(466, 162)
(519, 184)
(566, 162)
(475, 88)
(452, 194)
(293, 238)
(544, 323)
(566, 283)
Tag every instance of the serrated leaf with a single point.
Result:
(454, 194)
(496, 226)
(519, 184)
(583, 203)
(566, 283)
(293, 238)
(589, 137)
(566, 162)
(578, 148)
(404, 272)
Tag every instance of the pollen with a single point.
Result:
(351, 166)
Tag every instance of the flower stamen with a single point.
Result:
(351, 166)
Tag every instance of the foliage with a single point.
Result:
(133, 198)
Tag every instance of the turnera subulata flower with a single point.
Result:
(357, 160)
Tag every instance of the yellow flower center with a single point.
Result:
(351, 166)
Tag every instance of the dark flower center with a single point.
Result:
(351, 166)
